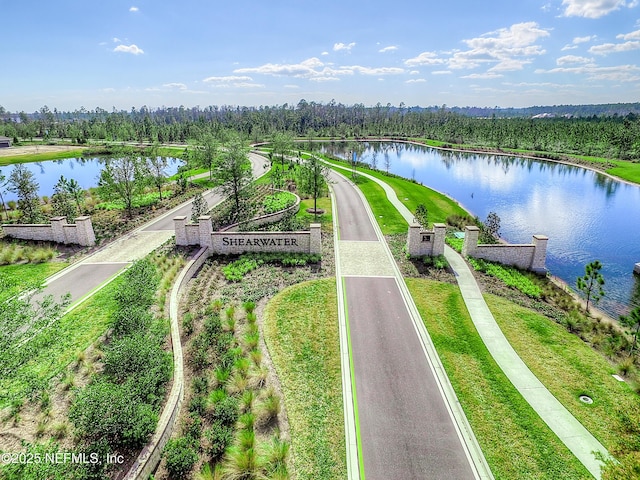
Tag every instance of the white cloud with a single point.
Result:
(578, 40)
(620, 73)
(607, 48)
(177, 86)
(227, 79)
(132, 49)
(594, 8)
(441, 72)
(342, 46)
(416, 80)
(390, 48)
(629, 36)
(425, 58)
(483, 76)
(134, 9)
(324, 53)
(572, 59)
(316, 70)
(116, 40)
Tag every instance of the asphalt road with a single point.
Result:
(406, 430)
(93, 271)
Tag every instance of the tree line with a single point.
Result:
(609, 136)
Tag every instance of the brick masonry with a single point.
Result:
(58, 231)
(527, 256)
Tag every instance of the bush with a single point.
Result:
(180, 456)
(137, 355)
(219, 437)
(509, 275)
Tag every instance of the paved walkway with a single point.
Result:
(570, 431)
(87, 276)
(402, 418)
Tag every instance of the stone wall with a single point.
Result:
(426, 242)
(58, 231)
(225, 243)
(527, 256)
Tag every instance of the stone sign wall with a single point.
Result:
(426, 242)
(225, 243)
(58, 231)
(527, 257)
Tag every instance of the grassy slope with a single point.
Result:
(516, 442)
(301, 332)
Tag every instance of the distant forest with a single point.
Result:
(607, 130)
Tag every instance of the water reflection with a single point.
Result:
(587, 215)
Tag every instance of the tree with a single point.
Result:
(3, 183)
(282, 143)
(233, 171)
(207, 152)
(23, 183)
(591, 283)
(313, 180)
(77, 193)
(198, 207)
(632, 321)
(421, 216)
(156, 165)
(490, 228)
(124, 177)
(62, 201)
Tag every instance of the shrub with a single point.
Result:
(180, 456)
(509, 275)
(226, 411)
(218, 437)
(137, 355)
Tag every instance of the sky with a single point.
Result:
(69, 54)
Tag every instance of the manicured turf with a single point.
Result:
(515, 441)
(569, 368)
(19, 277)
(301, 332)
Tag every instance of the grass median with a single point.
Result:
(301, 332)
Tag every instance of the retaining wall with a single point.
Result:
(58, 231)
(265, 219)
(526, 256)
(151, 454)
(426, 242)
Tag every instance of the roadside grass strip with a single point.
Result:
(301, 332)
(569, 368)
(516, 443)
(14, 279)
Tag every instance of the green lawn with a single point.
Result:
(326, 219)
(411, 194)
(568, 367)
(301, 333)
(19, 277)
(515, 441)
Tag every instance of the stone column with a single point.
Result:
(413, 240)
(471, 235)
(84, 231)
(440, 230)
(538, 263)
(180, 225)
(205, 229)
(57, 229)
(315, 241)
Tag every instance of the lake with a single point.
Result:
(586, 215)
(85, 171)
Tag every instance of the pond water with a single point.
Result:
(85, 171)
(586, 215)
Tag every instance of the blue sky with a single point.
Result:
(69, 54)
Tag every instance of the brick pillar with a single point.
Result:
(84, 231)
(57, 229)
(180, 225)
(315, 242)
(471, 235)
(440, 230)
(205, 229)
(538, 263)
(413, 240)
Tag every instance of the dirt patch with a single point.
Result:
(37, 149)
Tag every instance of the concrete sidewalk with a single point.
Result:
(568, 429)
